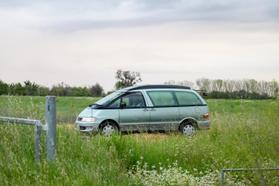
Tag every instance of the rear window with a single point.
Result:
(162, 98)
(187, 98)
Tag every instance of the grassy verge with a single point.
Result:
(243, 134)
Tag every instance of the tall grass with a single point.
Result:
(243, 134)
(80, 160)
(34, 107)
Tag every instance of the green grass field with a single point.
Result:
(244, 133)
(26, 106)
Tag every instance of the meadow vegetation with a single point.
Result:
(244, 133)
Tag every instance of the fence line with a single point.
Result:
(38, 128)
(49, 127)
(20, 120)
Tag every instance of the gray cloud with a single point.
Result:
(83, 42)
(77, 15)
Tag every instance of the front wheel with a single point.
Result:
(109, 128)
(187, 128)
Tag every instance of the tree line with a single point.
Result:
(215, 88)
(239, 89)
(29, 88)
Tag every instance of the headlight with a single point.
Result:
(88, 119)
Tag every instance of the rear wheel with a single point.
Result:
(188, 128)
(109, 128)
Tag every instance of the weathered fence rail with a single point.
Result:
(49, 127)
(38, 130)
(223, 171)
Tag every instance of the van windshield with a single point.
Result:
(105, 100)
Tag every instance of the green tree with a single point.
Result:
(19, 89)
(16, 89)
(4, 88)
(43, 91)
(31, 88)
(96, 90)
(80, 91)
(58, 90)
(126, 78)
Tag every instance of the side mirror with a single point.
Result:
(122, 105)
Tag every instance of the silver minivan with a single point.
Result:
(146, 108)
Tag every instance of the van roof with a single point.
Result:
(138, 87)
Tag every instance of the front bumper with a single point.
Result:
(87, 127)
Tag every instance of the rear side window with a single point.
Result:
(187, 98)
(162, 98)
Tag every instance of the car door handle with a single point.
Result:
(145, 109)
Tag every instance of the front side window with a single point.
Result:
(131, 100)
(115, 104)
(105, 100)
(162, 98)
(187, 98)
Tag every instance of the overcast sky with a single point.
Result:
(84, 42)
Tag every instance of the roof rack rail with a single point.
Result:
(158, 87)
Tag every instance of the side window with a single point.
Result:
(187, 98)
(162, 98)
(115, 104)
(134, 100)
